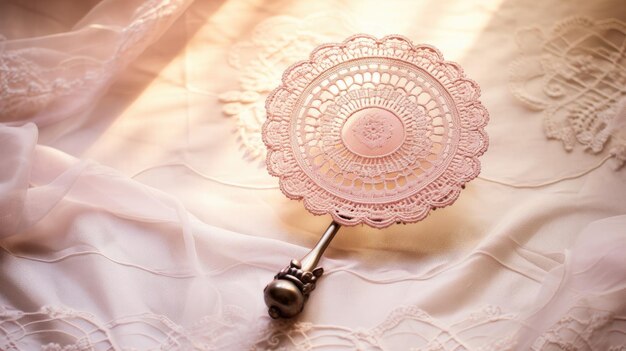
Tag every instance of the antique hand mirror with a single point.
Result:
(374, 131)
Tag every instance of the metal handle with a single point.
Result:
(286, 294)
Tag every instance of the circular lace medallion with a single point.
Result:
(375, 131)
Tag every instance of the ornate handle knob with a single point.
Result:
(286, 295)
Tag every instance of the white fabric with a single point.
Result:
(136, 211)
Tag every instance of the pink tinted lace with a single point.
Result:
(375, 131)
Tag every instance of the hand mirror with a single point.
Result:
(374, 131)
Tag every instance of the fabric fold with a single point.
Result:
(591, 282)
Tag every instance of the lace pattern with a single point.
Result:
(576, 75)
(59, 328)
(275, 44)
(36, 78)
(375, 131)
(416, 328)
(71, 330)
(577, 331)
(408, 328)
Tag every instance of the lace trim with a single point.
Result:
(409, 327)
(60, 328)
(576, 75)
(64, 329)
(582, 329)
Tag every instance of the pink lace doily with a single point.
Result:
(375, 130)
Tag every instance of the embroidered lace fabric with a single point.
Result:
(576, 75)
(583, 327)
(375, 131)
(39, 80)
(274, 45)
(83, 331)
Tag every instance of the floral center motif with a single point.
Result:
(373, 132)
